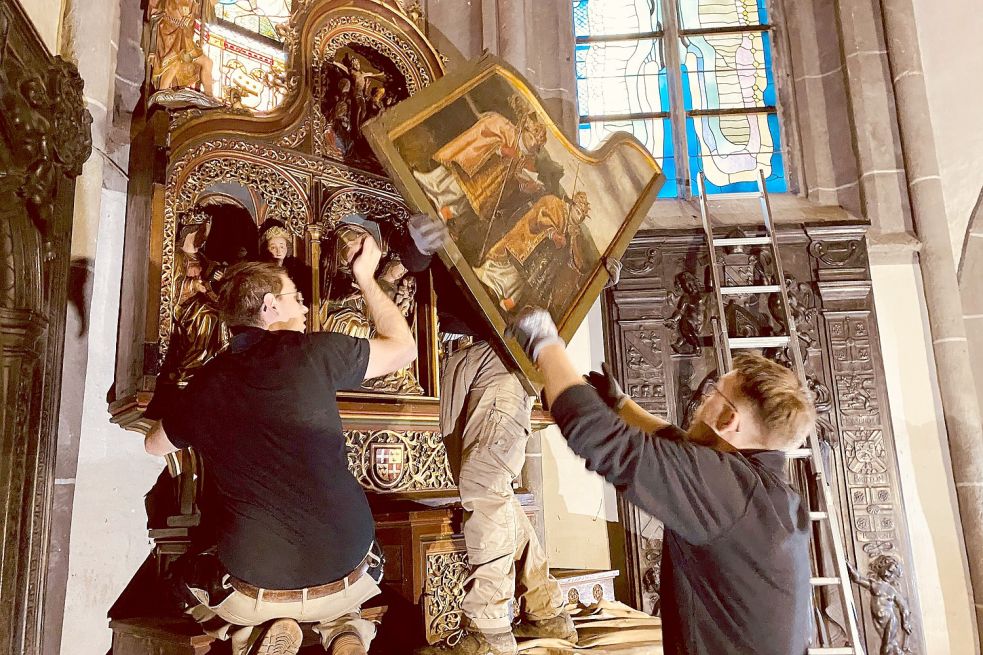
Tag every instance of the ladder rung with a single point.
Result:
(737, 343)
(799, 453)
(818, 516)
(832, 650)
(761, 288)
(741, 241)
(824, 582)
(740, 195)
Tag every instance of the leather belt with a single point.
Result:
(297, 595)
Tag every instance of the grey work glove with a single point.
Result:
(534, 329)
(428, 233)
(613, 267)
(607, 387)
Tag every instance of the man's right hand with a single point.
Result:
(428, 234)
(366, 261)
(607, 387)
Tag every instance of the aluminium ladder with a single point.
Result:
(822, 512)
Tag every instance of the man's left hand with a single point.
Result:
(613, 267)
(534, 329)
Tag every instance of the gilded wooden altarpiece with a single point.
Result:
(44, 140)
(199, 150)
(658, 333)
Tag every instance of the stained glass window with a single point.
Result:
(244, 40)
(712, 57)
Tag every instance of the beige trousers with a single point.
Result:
(485, 419)
(239, 618)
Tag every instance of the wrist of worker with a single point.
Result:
(365, 281)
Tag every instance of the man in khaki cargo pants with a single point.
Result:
(485, 420)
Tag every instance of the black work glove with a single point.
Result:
(607, 387)
(534, 329)
(428, 233)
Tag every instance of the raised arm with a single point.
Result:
(698, 492)
(394, 347)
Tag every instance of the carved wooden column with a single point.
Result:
(44, 139)
(659, 343)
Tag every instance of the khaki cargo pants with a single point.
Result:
(239, 618)
(485, 419)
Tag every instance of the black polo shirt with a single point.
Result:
(735, 559)
(264, 419)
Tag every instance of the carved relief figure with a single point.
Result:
(276, 245)
(343, 308)
(352, 95)
(47, 135)
(176, 58)
(689, 315)
(887, 606)
(198, 333)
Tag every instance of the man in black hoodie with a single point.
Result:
(735, 567)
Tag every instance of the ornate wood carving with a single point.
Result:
(829, 287)
(44, 140)
(387, 461)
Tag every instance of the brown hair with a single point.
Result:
(240, 297)
(783, 406)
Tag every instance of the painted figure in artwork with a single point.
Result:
(486, 164)
(176, 58)
(887, 606)
(549, 218)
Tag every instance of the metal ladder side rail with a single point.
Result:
(818, 466)
(725, 361)
(725, 345)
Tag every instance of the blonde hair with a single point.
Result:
(784, 408)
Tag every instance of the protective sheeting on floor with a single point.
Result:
(606, 627)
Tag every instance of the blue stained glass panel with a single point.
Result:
(715, 14)
(604, 17)
(654, 133)
(731, 148)
(727, 71)
(621, 77)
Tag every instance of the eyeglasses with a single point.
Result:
(716, 388)
(300, 296)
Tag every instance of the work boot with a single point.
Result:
(283, 637)
(559, 627)
(347, 643)
(476, 643)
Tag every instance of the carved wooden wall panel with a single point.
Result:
(661, 348)
(44, 140)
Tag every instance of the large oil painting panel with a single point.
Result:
(531, 216)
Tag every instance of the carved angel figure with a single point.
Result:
(176, 58)
(689, 315)
(888, 607)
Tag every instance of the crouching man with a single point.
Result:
(735, 564)
(296, 536)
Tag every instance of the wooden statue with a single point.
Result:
(887, 606)
(176, 59)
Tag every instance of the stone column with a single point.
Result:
(924, 188)
(90, 36)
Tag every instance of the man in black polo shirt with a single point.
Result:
(295, 529)
(735, 566)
